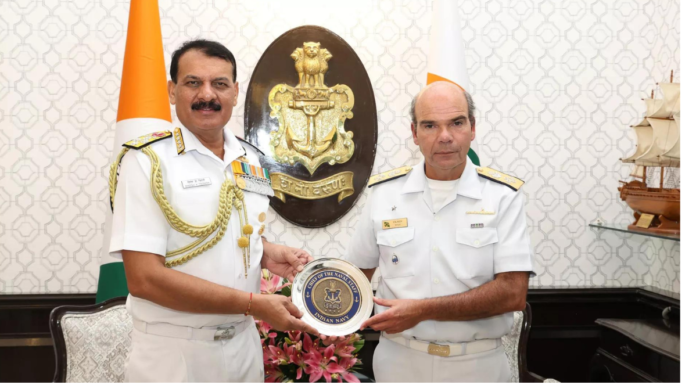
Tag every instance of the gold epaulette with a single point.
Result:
(501, 178)
(146, 140)
(388, 176)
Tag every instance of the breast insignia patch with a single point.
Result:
(513, 183)
(388, 176)
(146, 140)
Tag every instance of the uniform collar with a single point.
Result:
(416, 181)
(469, 184)
(233, 149)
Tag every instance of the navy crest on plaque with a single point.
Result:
(334, 295)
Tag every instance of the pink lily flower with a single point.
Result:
(265, 329)
(345, 364)
(273, 374)
(271, 284)
(344, 349)
(295, 336)
(268, 357)
(350, 377)
(323, 364)
(348, 363)
(278, 356)
(296, 358)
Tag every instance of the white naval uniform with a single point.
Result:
(140, 225)
(442, 252)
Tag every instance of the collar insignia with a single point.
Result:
(179, 140)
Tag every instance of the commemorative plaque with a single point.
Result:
(310, 108)
(334, 295)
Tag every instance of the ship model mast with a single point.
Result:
(658, 134)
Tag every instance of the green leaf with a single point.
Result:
(288, 341)
(286, 291)
(358, 345)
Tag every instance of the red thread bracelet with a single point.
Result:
(249, 306)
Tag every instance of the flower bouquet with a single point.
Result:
(298, 356)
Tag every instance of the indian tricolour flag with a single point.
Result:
(143, 108)
(446, 60)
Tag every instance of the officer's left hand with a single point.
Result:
(401, 315)
(284, 260)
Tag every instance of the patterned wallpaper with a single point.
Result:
(557, 84)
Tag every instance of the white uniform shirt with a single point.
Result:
(440, 253)
(140, 225)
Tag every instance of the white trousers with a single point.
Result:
(163, 359)
(393, 362)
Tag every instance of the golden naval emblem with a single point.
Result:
(311, 116)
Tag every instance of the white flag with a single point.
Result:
(446, 59)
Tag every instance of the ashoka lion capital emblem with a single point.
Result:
(311, 116)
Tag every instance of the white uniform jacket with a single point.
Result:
(443, 252)
(140, 225)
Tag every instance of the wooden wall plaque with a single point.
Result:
(310, 108)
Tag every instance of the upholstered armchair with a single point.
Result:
(515, 345)
(91, 342)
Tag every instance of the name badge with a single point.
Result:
(195, 182)
(394, 223)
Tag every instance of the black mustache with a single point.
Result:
(200, 105)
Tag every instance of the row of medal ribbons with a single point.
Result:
(252, 178)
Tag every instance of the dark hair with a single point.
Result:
(209, 48)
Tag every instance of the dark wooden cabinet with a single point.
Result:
(26, 346)
(564, 341)
(637, 351)
(565, 338)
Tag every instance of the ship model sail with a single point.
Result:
(658, 147)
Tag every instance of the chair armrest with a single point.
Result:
(530, 377)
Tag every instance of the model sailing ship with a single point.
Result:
(658, 147)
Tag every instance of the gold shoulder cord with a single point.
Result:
(230, 196)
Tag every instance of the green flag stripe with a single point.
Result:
(474, 158)
(112, 281)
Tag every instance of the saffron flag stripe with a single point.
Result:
(143, 108)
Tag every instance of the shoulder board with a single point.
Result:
(146, 140)
(388, 176)
(246, 143)
(513, 183)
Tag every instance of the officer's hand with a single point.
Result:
(328, 340)
(283, 260)
(401, 315)
(280, 312)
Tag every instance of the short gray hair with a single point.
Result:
(469, 101)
